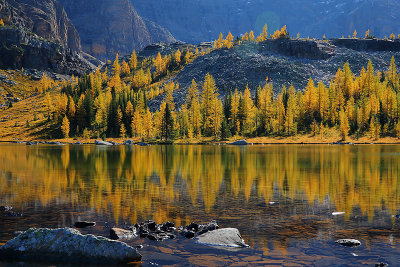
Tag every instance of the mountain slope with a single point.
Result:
(284, 62)
(22, 49)
(46, 18)
(196, 21)
(108, 27)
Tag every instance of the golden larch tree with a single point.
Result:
(65, 127)
(133, 61)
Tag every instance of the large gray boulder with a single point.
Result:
(103, 143)
(67, 245)
(225, 237)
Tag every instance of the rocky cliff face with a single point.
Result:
(284, 62)
(197, 21)
(22, 49)
(108, 27)
(46, 18)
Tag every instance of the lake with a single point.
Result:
(280, 197)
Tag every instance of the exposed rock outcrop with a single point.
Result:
(22, 49)
(67, 245)
(368, 44)
(108, 27)
(46, 18)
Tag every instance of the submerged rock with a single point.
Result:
(128, 142)
(336, 213)
(103, 143)
(55, 143)
(226, 237)
(118, 233)
(240, 143)
(67, 245)
(348, 242)
(11, 213)
(32, 143)
(84, 224)
(143, 144)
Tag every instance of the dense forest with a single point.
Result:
(115, 103)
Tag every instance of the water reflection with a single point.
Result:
(279, 197)
(143, 182)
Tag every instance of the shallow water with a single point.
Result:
(280, 197)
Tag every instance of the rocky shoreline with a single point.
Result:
(130, 142)
(68, 245)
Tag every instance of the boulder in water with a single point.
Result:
(128, 142)
(118, 233)
(349, 242)
(240, 143)
(67, 245)
(83, 224)
(32, 143)
(226, 237)
(103, 143)
(55, 143)
(142, 144)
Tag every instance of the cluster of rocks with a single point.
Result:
(7, 211)
(8, 97)
(111, 143)
(195, 229)
(159, 232)
(68, 245)
(32, 143)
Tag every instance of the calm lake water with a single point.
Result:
(280, 197)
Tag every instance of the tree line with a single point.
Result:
(100, 106)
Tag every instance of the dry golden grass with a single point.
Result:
(24, 87)
(14, 121)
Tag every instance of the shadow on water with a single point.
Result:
(281, 198)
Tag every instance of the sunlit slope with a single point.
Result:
(25, 117)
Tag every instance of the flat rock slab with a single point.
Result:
(66, 245)
(225, 237)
